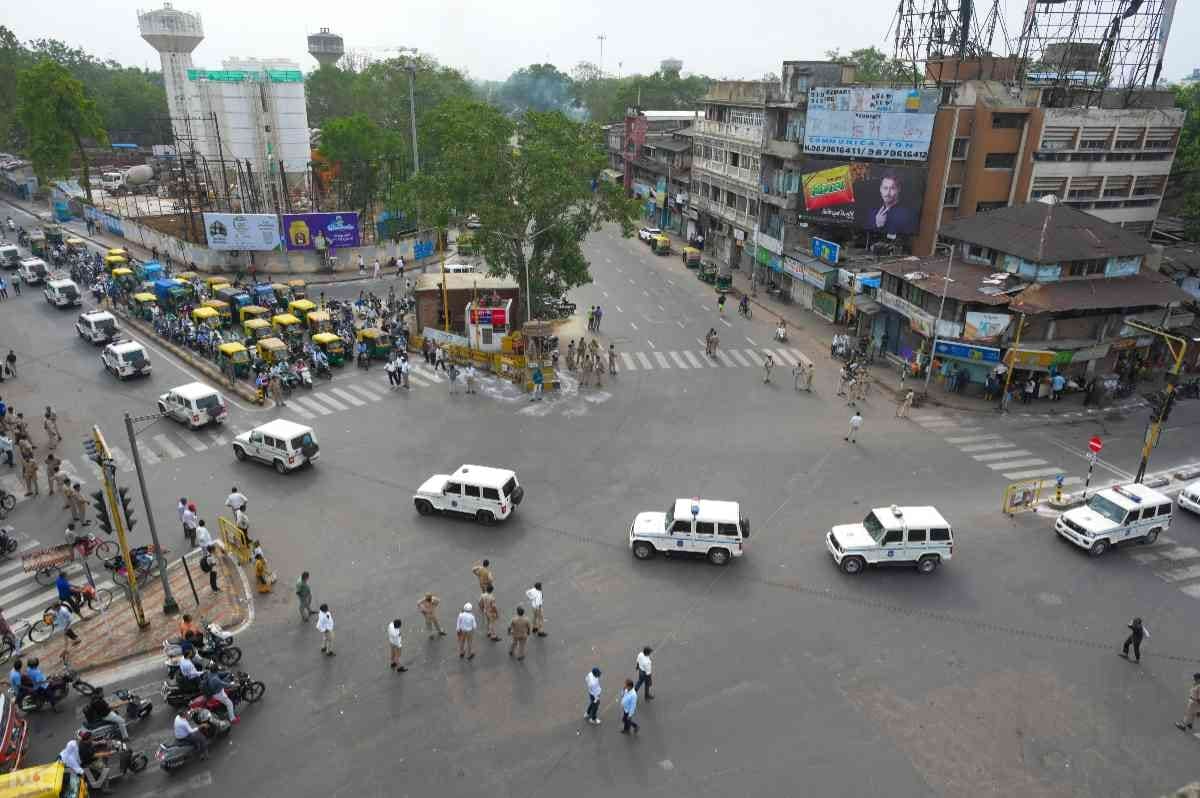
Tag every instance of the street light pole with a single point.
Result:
(411, 68)
(170, 606)
(937, 323)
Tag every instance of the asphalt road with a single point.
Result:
(777, 675)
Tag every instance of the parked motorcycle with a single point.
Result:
(175, 753)
(136, 708)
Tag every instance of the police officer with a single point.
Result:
(22, 428)
(29, 472)
(52, 466)
(50, 424)
(519, 629)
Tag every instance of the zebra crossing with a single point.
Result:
(690, 360)
(992, 450)
(343, 394)
(23, 598)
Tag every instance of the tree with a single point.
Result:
(537, 87)
(13, 59)
(58, 116)
(872, 65)
(359, 148)
(1183, 190)
(536, 201)
(330, 93)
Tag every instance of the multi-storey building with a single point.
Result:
(650, 152)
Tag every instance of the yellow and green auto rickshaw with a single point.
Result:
(37, 244)
(707, 272)
(257, 329)
(299, 289)
(233, 358)
(247, 312)
(124, 278)
(724, 282)
(54, 780)
(379, 345)
(332, 346)
(115, 262)
(187, 277)
(272, 351)
(142, 304)
(215, 282)
(319, 321)
(300, 308)
(54, 234)
(207, 316)
(221, 307)
(76, 246)
(117, 252)
(661, 245)
(287, 326)
(691, 257)
(283, 294)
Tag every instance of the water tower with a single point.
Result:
(174, 34)
(326, 47)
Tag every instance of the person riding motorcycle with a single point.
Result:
(744, 305)
(99, 710)
(38, 682)
(781, 331)
(189, 674)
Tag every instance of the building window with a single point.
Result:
(959, 150)
(950, 200)
(1153, 156)
(734, 159)
(1149, 185)
(1000, 160)
(979, 254)
(984, 207)
(1119, 156)
(753, 207)
(1088, 156)
(1086, 268)
(1000, 121)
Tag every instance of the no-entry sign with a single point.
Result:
(1095, 444)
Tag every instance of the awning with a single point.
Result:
(612, 174)
(867, 307)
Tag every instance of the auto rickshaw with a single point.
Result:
(54, 234)
(257, 329)
(142, 305)
(207, 316)
(283, 294)
(724, 281)
(248, 312)
(37, 244)
(117, 252)
(691, 257)
(272, 351)
(319, 321)
(151, 271)
(289, 328)
(115, 262)
(332, 346)
(233, 358)
(172, 294)
(124, 278)
(187, 277)
(707, 272)
(379, 345)
(300, 308)
(75, 246)
(236, 297)
(54, 780)
(299, 289)
(263, 295)
(661, 245)
(221, 307)
(214, 283)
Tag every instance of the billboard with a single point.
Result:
(873, 197)
(320, 230)
(864, 122)
(258, 232)
(985, 326)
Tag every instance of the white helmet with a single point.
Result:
(467, 607)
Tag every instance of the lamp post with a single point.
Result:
(410, 66)
(937, 323)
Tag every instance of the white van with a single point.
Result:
(715, 529)
(459, 268)
(10, 256)
(32, 270)
(97, 326)
(62, 293)
(486, 494)
(1116, 515)
(918, 536)
(284, 444)
(194, 404)
(125, 359)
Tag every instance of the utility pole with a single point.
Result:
(1012, 366)
(1166, 399)
(411, 67)
(937, 323)
(601, 37)
(107, 504)
(170, 607)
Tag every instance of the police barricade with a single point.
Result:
(1023, 496)
(236, 541)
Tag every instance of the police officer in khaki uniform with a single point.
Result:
(518, 629)
(1193, 705)
(22, 428)
(67, 492)
(50, 424)
(29, 472)
(490, 612)
(52, 466)
(483, 574)
(79, 505)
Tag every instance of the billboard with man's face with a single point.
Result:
(879, 198)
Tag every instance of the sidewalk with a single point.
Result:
(113, 636)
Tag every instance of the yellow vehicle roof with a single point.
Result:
(117, 251)
(303, 304)
(41, 781)
(285, 319)
(214, 280)
(319, 315)
(73, 241)
(144, 296)
(271, 343)
(205, 312)
(188, 276)
(231, 348)
(254, 310)
(109, 260)
(219, 304)
(255, 324)
(122, 272)
(215, 287)
(663, 238)
(279, 286)
(296, 284)
(370, 332)
(325, 338)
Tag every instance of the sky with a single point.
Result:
(490, 39)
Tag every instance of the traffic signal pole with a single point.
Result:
(1178, 347)
(170, 606)
(116, 519)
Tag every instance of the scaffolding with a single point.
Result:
(928, 31)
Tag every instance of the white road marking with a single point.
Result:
(195, 444)
(302, 402)
(605, 294)
(752, 343)
(727, 324)
(796, 353)
(678, 360)
(973, 439)
(148, 455)
(631, 282)
(218, 438)
(1180, 553)
(736, 355)
(634, 326)
(693, 360)
(652, 346)
(119, 457)
(662, 360)
(1001, 455)
(672, 282)
(645, 361)
(645, 292)
(706, 308)
(984, 447)
(724, 358)
(1180, 574)
(1035, 473)
(349, 397)
(295, 407)
(168, 447)
(1194, 592)
(628, 361)
(786, 357)
(364, 391)
(325, 398)
(619, 309)
(1028, 461)
(680, 324)
(660, 307)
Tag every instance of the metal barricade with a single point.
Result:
(1023, 496)
(236, 541)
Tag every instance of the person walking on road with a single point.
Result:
(304, 596)
(629, 708)
(538, 381)
(79, 506)
(52, 466)
(404, 369)
(428, 608)
(236, 500)
(62, 622)
(469, 374)
(482, 572)
(1193, 706)
(29, 473)
(905, 405)
(50, 425)
(518, 629)
(612, 360)
(395, 644)
(856, 421)
(599, 316)
(592, 680)
(1137, 633)
(643, 666)
(465, 627)
(325, 627)
(490, 612)
(362, 265)
(190, 522)
(721, 304)
(375, 270)
(768, 364)
(534, 594)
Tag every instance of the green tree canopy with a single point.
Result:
(58, 117)
(361, 150)
(875, 66)
(1183, 191)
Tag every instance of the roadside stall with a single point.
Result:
(487, 324)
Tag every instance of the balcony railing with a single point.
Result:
(750, 134)
(726, 212)
(744, 176)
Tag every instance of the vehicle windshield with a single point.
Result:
(1107, 508)
(70, 291)
(302, 441)
(670, 519)
(134, 356)
(205, 402)
(510, 486)
(873, 527)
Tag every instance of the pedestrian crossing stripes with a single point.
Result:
(644, 361)
(679, 361)
(628, 361)
(1166, 557)
(349, 397)
(1004, 455)
(736, 355)
(20, 594)
(662, 360)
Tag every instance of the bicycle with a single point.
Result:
(96, 599)
(83, 548)
(745, 311)
(12, 645)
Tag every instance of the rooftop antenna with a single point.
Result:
(601, 37)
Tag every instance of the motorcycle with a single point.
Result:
(303, 374)
(180, 692)
(54, 691)
(123, 760)
(216, 646)
(136, 708)
(781, 334)
(323, 370)
(243, 691)
(8, 535)
(176, 753)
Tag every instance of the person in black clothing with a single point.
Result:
(1137, 633)
(99, 710)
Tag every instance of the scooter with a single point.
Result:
(781, 334)
(176, 753)
(123, 760)
(136, 708)
(8, 536)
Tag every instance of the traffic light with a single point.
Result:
(89, 448)
(1161, 404)
(126, 507)
(100, 503)
(1167, 404)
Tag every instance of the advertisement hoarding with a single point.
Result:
(865, 122)
(875, 197)
(320, 230)
(257, 232)
(985, 326)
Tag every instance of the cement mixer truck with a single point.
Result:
(128, 180)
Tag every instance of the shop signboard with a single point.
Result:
(878, 198)
(1036, 359)
(306, 230)
(918, 319)
(1122, 267)
(971, 352)
(1097, 352)
(984, 326)
(818, 275)
(258, 232)
(824, 250)
(870, 122)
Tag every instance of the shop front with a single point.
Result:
(769, 271)
(907, 329)
(977, 361)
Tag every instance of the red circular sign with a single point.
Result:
(1095, 444)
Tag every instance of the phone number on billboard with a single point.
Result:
(867, 152)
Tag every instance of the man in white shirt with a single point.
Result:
(188, 518)
(187, 668)
(203, 536)
(362, 264)
(236, 500)
(404, 367)
(855, 422)
(469, 371)
(395, 643)
(325, 627)
(465, 627)
(375, 270)
(186, 733)
(644, 666)
(534, 594)
(593, 687)
(390, 368)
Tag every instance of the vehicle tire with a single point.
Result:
(46, 576)
(254, 692)
(927, 564)
(138, 762)
(853, 565)
(11, 547)
(484, 517)
(718, 556)
(643, 550)
(106, 550)
(1150, 537)
(280, 467)
(229, 656)
(239, 452)
(8, 500)
(6, 651)
(424, 507)
(162, 409)
(101, 601)
(40, 631)
(1098, 548)
(83, 688)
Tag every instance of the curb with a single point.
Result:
(1163, 480)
